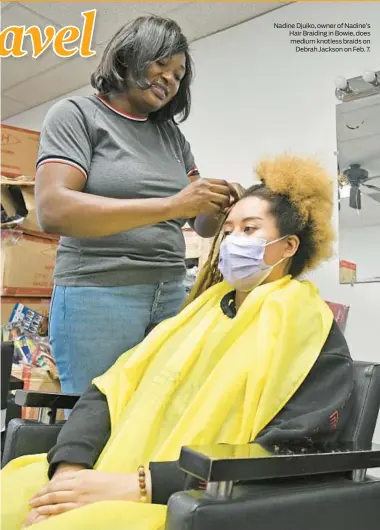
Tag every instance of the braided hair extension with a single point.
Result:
(209, 274)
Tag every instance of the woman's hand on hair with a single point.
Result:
(236, 192)
(201, 197)
(73, 489)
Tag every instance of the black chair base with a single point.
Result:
(318, 503)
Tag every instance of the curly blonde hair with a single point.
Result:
(300, 195)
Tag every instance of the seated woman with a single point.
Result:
(257, 357)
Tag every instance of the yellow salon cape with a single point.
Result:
(198, 378)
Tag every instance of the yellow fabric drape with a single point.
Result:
(198, 378)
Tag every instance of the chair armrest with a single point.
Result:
(15, 383)
(45, 400)
(233, 463)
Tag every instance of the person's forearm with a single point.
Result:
(84, 435)
(77, 214)
(206, 225)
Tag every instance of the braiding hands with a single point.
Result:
(236, 193)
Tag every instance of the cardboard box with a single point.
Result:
(17, 199)
(205, 251)
(193, 243)
(40, 379)
(27, 265)
(19, 149)
(41, 305)
(196, 246)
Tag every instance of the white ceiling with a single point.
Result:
(28, 82)
(358, 134)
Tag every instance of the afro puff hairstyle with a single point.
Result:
(300, 195)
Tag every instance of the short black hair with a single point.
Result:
(132, 49)
(289, 222)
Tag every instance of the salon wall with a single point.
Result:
(362, 246)
(255, 96)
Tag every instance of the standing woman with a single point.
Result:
(117, 180)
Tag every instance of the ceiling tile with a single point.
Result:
(35, 81)
(198, 19)
(10, 107)
(69, 75)
(17, 69)
(17, 14)
(110, 16)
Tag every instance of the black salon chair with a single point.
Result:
(287, 488)
(8, 408)
(6, 368)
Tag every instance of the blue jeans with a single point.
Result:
(90, 327)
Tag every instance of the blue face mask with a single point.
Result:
(241, 261)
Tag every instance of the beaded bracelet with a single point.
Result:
(142, 484)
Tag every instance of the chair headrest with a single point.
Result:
(366, 405)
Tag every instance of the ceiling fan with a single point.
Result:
(357, 178)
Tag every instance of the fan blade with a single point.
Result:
(373, 196)
(371, 187)
(372, 178)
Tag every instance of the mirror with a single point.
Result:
(358, 140)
